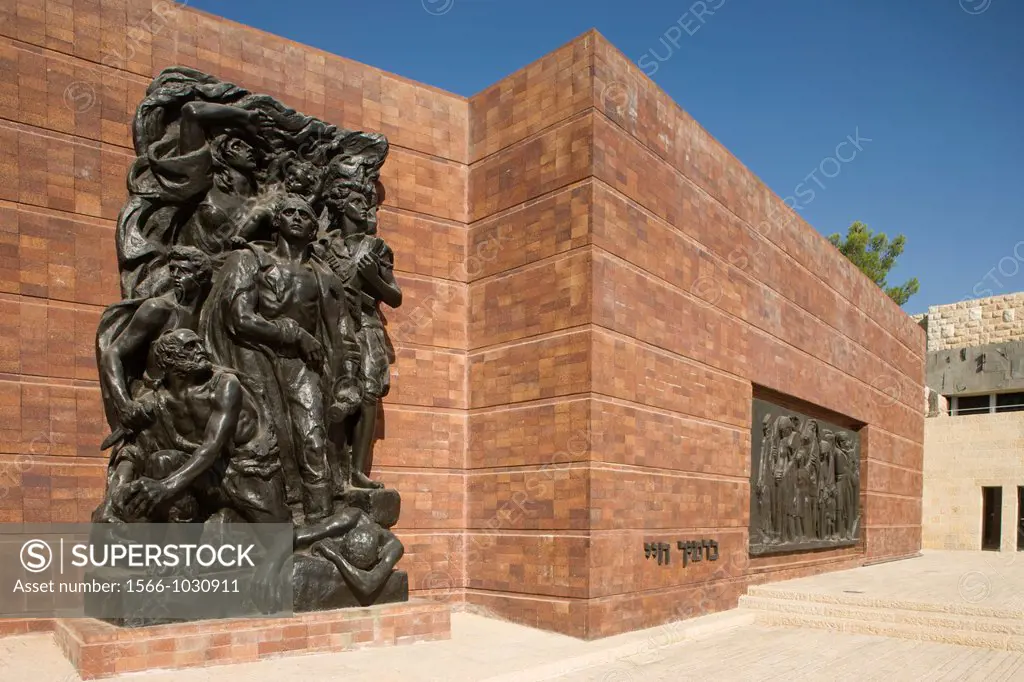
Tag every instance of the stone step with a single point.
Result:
(863, 600)
(877, 615)
(984, 640)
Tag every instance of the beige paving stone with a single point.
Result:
(952, 581)
(760, 653)
(488, 651)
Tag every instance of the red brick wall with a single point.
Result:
(763, 295)
(529, 344)
(71, 76)
(594, 287)
(641, 284)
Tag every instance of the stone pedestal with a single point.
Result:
(97, 649)
(12, 627)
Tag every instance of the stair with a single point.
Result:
(949, 623)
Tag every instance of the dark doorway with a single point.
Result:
(1020, 518)
(991, 517)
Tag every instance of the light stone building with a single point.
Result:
(974, 438)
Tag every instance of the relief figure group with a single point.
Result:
(806, 483)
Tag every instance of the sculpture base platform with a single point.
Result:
(98, 649)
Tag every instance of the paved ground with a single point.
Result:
(723, 646)
(760, 653)
(490, 651)
(975, 579)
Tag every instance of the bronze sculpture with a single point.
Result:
(805, 478)
(241, 375)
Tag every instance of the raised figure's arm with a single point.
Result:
(145, 324)
(250, 227)
(196, 116)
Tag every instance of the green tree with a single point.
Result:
(875, 255)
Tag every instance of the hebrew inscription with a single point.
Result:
(693, 551)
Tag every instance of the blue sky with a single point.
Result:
(937, 86)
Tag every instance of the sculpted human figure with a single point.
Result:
(365, 555)
(802, 487)
(226, 163)
(123, 339)
(366, 263)
(279, 314)
(854, 479)
(764, 476)
(127, 330)
(350, 554)
(217, 454)
(806, 485)
(790, 493)
(826, 486)
(782, 493)
(770, 481)
(845, 501)
(812, 515)
(208, 416)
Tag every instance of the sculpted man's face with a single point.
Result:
(239, 154)
(185, 276)
(295, 219)
(186, 354)
(356, 209)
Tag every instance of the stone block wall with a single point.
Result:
(996, 319)
(530, 262)
(594, 287)
(974, 347)
(612, 363)
(721, 292)
(964, 454)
